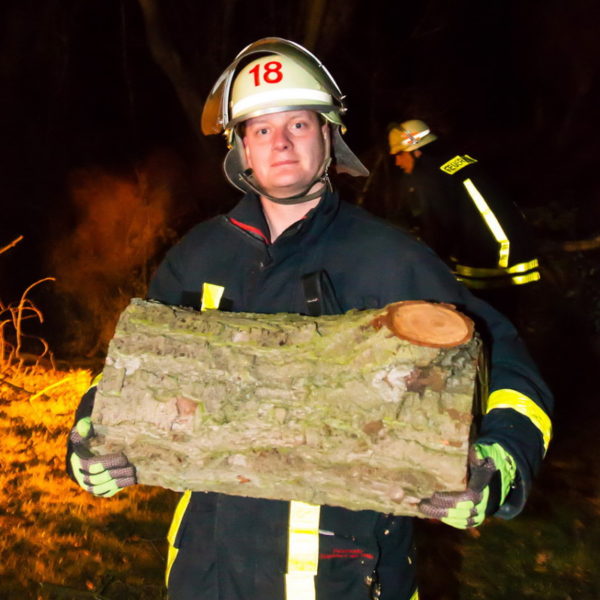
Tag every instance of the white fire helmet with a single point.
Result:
(273, 83)
(409, 135)
(275, 75)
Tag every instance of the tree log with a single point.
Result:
(337, 410)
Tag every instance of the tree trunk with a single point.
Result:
(335, 410)
(169, 60)
(314, 21)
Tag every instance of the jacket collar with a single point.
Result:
(248, 216)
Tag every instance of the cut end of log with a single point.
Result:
(436, 325)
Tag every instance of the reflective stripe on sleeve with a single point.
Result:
(173, 529)
(498, 282)
(488, 272)
(415, 596)
(96, 380)
(303, 551)
(524, 405)
(528, 278)
(491, 221)
(211, 296)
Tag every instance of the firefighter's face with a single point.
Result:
(285, 150)
(406, 160)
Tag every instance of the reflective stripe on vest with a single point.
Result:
(457, 163)
(211, 296)
(415, 596)
(491, 221)
(525, 406)
(303, 551)
(173, 529)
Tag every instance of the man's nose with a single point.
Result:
(281, 139)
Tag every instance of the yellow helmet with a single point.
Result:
(409, 135)
(275, 75)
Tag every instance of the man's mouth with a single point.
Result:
(283, 163)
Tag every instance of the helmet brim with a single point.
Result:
(328, 111)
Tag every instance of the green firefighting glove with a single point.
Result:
(492, 472)
(101, 475)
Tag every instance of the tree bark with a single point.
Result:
(335, 410)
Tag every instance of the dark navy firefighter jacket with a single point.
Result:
(234, 548)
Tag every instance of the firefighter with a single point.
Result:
(458, 210)
(293, 245)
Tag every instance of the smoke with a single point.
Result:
(121, 223)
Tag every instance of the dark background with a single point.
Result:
(101, 169)
(517, 82)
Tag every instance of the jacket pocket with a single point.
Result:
(345, 567)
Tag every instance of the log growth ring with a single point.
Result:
(436, 325)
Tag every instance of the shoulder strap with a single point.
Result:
(319, 295)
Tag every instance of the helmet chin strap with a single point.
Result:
(248, 178)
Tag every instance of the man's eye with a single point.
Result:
(259, 131)
(298, 125)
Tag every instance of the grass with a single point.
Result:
(551, 551)
(59, 542)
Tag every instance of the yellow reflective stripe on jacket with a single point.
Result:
(415, 596)
(521, 279)
(498, 282)
(457, 163)
(491, 221)
(173, 529)
(524, 405)
(211, 296)
(303, 551)
(491, 272)
(95, 381)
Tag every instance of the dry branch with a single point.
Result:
(330, 410)
(11, 244)
(581, 245)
